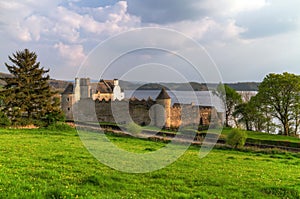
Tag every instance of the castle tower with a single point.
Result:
(77, 89)
(85, 88)
(164, 100)
(67, 101)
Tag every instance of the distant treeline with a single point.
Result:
(244, 86)
(241, 86)
(126, 85)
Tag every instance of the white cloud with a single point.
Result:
(64, 28)
(63, 23)
(73, 55)
(209, 30)
(110, 19)
(65, 31)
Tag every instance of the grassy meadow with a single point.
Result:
(264, 136)
(55, 164)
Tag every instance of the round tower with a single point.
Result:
(164, 100)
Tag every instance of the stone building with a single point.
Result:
(108, 90)
(84, 89)
(106, 103)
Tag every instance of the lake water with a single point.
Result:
(203, 98)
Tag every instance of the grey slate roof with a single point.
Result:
(105, 86)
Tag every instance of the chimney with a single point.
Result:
(116, 82)
(77, 89)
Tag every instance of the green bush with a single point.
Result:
(60, 126)
(4, 120)
(236, 138)
(133, 128)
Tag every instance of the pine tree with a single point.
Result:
(27, 93)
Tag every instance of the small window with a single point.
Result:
(69, 109)
(68, 99)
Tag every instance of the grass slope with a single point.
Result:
(265, 136)
(48, 164)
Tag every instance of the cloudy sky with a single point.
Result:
(247, 39)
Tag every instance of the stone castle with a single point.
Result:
(105, 102)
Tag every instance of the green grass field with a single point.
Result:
(265, 136)
(49, 164)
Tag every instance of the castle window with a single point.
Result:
(68, 99)
(69, 109)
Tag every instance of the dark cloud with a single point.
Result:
(279, 17)
(165, 11)
(265, 28)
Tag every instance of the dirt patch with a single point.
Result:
(31, 126)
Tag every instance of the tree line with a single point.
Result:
(276, 105)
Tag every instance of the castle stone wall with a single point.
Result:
(141, 112)
(175, 119)
(124, 111)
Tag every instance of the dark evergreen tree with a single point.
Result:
(27, 93)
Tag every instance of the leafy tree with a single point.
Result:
(244, 113)
(263, 120)
(296, 115)
(253, 115)
(279, 93)
(230, 98)
(27, 93)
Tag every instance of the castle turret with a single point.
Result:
(164, 100)
(85, 88)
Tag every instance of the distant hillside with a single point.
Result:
(241, 86)
(2, 75)
(60, 85)
(173, 86)
(244, 86)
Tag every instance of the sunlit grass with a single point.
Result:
(47, 164)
